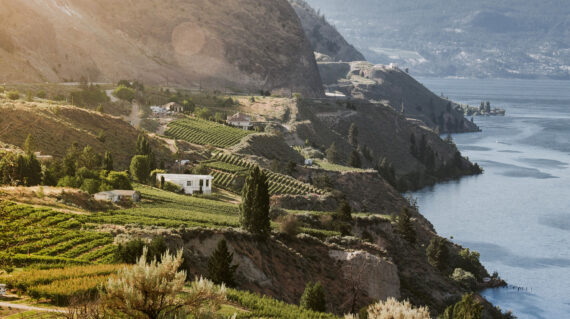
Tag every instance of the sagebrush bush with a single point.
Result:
(393, 309)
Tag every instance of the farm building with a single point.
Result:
(118, 196)
(240, 120)
(173, 107)
(189, 183)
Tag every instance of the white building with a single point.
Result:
(189, 183)
(116, 196)
(240, 120)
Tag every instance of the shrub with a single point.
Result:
(2, 89)
(467, 308)
(119, 180)
(157, 248)
(153, 290)
(405, 226)
(171, 187)
(392, 308)
(41, 94)
(90, 186)
(314, 298)
(130, 252)
(289, 225)
(466, 279)
(13, 95)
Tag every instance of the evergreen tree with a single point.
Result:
(29, 146)
(354, 160)
(438, 253)
(386, 170)
(142, 146)
(140, 168)
(89, 158)
(405, 225)
(467, 308)
(254, 209)
(220, 268)
(332, 154)
(344, 211)
(70, 160)
(108, 161)
(353, 135)
(313, 298)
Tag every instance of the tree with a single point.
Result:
(124, 93)
(130, 252)
(386, 170)
(291, 168)
(108, 161)
(89, 159)
(344, 211)
(254, 209)
(29, 146)
(354, 160)
(140, 168)
(119, 180)
(332, 154)
(157, 248)
(438, 253)
(467, 308)
(13, 95)
(405, 225)
(353, 135)
(220, 268)
(313, 297)
(154, 290)
(143, 145)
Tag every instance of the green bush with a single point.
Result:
(13, 95)
(90, 186)
(124, 93)
(314, 298)
(171, 187)
(466, 279)
(41, 94)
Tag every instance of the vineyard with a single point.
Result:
(38, 235)
(204, 132)
(226, 168)
(59, 285)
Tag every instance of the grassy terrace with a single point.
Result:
(337, 168)
(202, 132)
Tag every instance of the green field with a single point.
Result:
(38, 235)
(336, 167)
(204, 132)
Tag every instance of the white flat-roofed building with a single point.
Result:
(189, 183)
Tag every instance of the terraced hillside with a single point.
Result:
(204, 132)
(44, 236)
(227, 168)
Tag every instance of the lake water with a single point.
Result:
(517, 214)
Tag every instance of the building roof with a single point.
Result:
(239, 117)
(183, 176)
(118, 193)
(171, 104)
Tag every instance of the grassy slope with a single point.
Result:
(55, 127)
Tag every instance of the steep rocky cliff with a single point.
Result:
(390, 85)
(243, 44)
(323, 36)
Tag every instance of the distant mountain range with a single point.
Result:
(499, 39)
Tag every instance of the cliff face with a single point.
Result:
(240, 44)
(396, 88)
(323, 36)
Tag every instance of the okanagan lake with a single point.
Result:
(517, 214)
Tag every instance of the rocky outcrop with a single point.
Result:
(396, 88)
(323, 36)
(243, 44)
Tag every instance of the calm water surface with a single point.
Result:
(517, 214)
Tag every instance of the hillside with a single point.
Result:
(487, 39)
(323, 36)
(187, 43)
(55, 127)
(391, 85)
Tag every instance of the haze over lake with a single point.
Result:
(517, 214)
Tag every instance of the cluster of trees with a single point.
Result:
(143, 163)
(89, 95)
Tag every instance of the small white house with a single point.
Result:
(173, 107)
(116, 196)
(240, 120)
(309, 162)
(189, 183)
(2, 289)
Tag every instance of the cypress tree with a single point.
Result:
(254, 209)
(220, 268)
(353, 135)
(108, 161)
(405, 226)
(332, 154)
(354, 160)
(313, 298)
(29, 146)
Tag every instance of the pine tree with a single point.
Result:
(353, 135)
(332, 154)
(354, 160)
(405, 226)
(438, 253)
(313, 298)
(254, 209)
(140, 168)
(220, 268)
(108, 161)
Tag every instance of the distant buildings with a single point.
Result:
(240, 120)
(116, 196)
(190, 184)
(169, 108)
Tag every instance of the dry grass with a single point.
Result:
(393, 309)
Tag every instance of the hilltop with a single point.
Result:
(243, 44)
